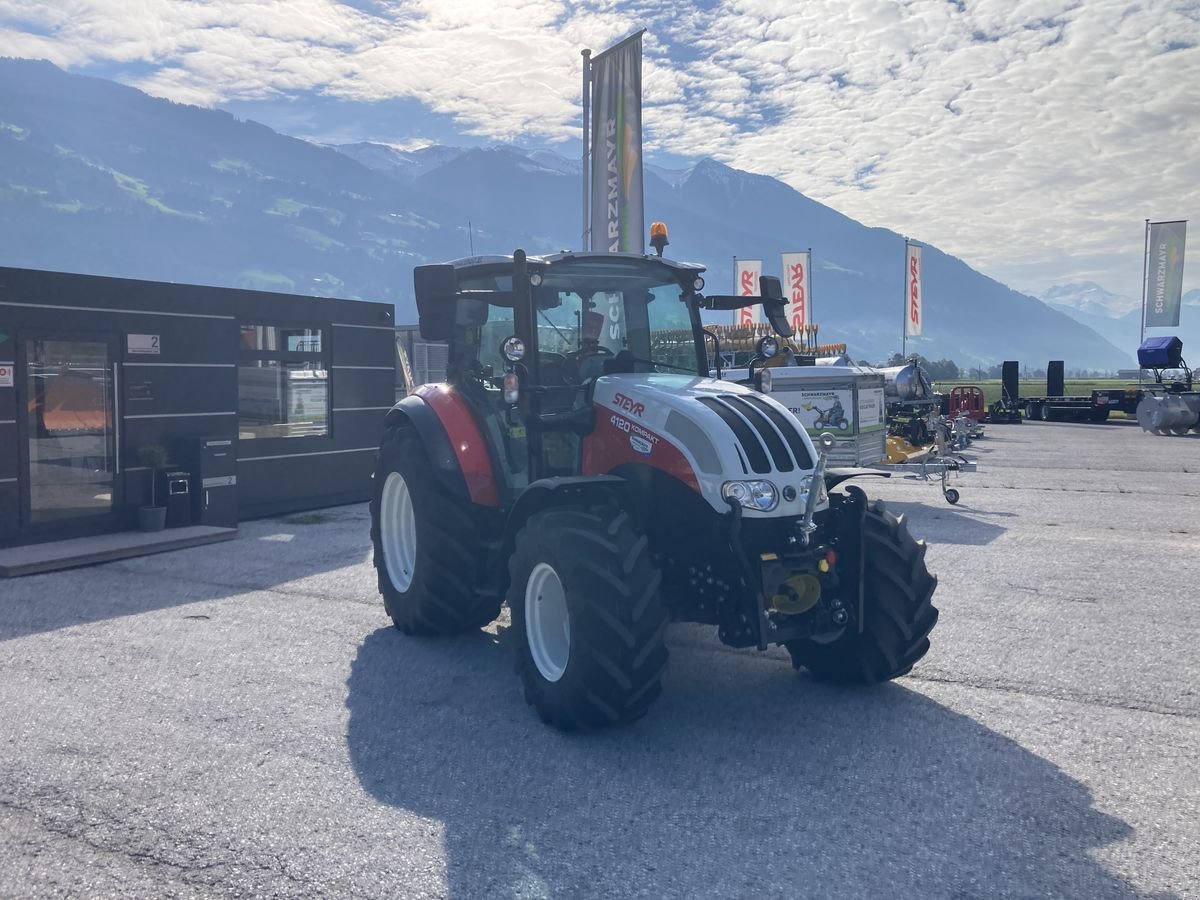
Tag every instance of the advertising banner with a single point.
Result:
(913, 299)
(796, 288)
(1164, 273)
(822, 409)
(834, 409)
(746, 273)
(616, 189)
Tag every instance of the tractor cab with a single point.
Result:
(530, 336)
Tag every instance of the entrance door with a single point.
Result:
(70, 442)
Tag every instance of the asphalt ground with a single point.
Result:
(241, 720)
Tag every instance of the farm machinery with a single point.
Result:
(1172, 407)
(602, 484)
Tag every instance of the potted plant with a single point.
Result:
(153, 517)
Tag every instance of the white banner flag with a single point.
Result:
(745, 284)
(795, 285)
(913, 315)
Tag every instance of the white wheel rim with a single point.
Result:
(398, 531)
(547, 622)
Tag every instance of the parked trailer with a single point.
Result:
(1058, 406)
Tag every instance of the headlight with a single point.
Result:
(760, 495)
(535, 279)
(768, 347)
(764, 381)
(697, 284)
(513, 349)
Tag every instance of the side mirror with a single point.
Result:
(435, 287)
(774, 304)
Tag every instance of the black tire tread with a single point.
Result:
(444, 597)
(898, 610)
(618, 621)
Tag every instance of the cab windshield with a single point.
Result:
(595, 309)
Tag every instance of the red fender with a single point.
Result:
(466, 439)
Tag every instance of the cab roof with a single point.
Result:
(553, 259)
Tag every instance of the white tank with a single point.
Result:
(907, 382)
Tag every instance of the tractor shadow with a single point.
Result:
(745, 779)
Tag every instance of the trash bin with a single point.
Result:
(177, 491)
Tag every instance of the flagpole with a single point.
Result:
(1145, 272)
(808, 313)
(587, 83)
(904, 317)
(737, 288)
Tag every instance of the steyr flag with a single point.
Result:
(616, 189)
(1164, 273)
(796, 285)
(913, 315)
(745, 284)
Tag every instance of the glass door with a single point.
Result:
(70, 432)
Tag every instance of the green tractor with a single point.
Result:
(591, 474)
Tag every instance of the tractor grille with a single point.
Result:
(787, 427)
(764, 434)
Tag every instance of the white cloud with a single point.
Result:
(1029, 137)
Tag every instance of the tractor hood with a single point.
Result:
(718, 430)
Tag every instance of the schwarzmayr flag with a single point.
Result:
(617, 214)
(1164, 273)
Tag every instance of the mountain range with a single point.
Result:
(1118, 318)
(100, 178)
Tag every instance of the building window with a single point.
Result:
(283, 382)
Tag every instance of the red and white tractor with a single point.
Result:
(580, 464)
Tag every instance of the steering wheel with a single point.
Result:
(590, 349)
(589, 359)
(556, 368)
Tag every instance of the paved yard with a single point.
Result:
(240, 719)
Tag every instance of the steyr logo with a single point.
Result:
(629, 405)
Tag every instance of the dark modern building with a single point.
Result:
(264, 403)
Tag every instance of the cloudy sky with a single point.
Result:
(1030, 137)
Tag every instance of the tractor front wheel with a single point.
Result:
(898, 610)
(588, 619)
(427, 545)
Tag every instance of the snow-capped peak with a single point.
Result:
(1090, 297)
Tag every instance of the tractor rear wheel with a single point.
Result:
(588, 618)
(897, 609)
(427, 545)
